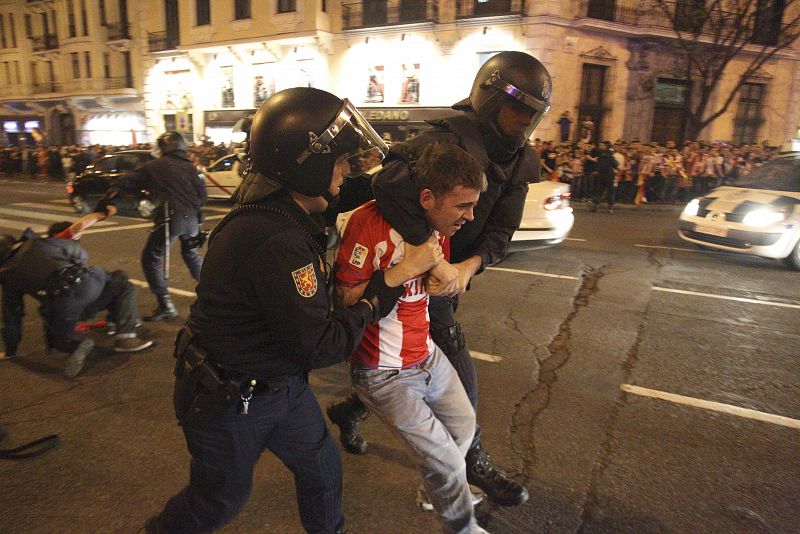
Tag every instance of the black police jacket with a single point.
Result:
(171, 178)
(262, 308)
(499, 210)
(29, 271)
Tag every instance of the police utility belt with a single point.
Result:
(63, 281)
(204, 390)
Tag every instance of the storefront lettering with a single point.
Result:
(387, 115)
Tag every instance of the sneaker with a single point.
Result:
(425, 503)
(128, 343)
(74, 363)
(498, 487)
(111, 327)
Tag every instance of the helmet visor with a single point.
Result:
(516, 95)
(350, 134)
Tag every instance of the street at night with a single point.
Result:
(633, 382)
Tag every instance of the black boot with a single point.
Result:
(165, 310)
(347, 415)
(497, 486)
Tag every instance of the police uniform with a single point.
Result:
(171, 179)
(263, 320)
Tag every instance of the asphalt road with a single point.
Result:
(635, 383)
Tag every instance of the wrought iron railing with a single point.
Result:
(689, 16)
(489, 8)
(160, 41)
(119, 82)
(46, 87)
(117, 31)
(44, 42)
(370, 13)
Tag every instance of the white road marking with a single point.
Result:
(51, 207)
(43, 216)
(485, 357)
(682, 249)
(142, 225)
(533, 273)
(174, 291)
(16, 225)
(711, 405)
(61, 201)
(725, 297)
(574, 239)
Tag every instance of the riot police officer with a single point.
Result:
(510, 95)
(176, 185)
(263, 319)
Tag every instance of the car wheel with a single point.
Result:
(146, 208)
(793, 260)
(80, 205)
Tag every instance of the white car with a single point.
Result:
(759, 214)
(547, 218)
(222, 177)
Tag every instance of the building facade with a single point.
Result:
(116, 72)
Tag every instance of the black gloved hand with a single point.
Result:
(103, 204)
(382, 297)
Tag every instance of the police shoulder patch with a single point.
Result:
(305, 280)
(359, 256)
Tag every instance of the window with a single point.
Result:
(324, 6)
(71, 28)
(76, 66)
(107, 65)
(13, 30)
(767, 25)
(16, 72)
(87, 58)
(203, 10)
(601, 9)
(590, 109)
(103, 20)
(84, 19)
(7, 70)
(689, 16)
(28, 26)
(287, 6)
(34, 74)
(241, 9)
(2, 31)
(749, 116)
(126, 57)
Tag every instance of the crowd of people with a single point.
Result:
(649, 172)
(66, 162)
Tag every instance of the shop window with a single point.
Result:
(241, 9)
(203, 9)
(287, 6)
(750, 114)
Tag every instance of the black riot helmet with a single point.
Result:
(298, 134)
(511, 77)
(170, 141)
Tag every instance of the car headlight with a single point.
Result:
(692, 207)
(763, 217)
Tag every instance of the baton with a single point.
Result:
(166, 240)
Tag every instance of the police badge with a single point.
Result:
(305, 280)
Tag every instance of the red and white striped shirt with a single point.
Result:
(400, 339)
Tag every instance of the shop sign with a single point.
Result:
(387, 115)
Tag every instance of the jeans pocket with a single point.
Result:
(373, 379)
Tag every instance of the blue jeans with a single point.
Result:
(429, 409)
(287, 422)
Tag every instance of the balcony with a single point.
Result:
(372, 13)
(687, 16)
(46, 87)
(161, 41)
(117, 31)
(44, 42)
(467, 9)
(119, 82)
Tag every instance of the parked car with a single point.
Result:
(758, 214)
(547, 219)
(222, 177)
(88, 187)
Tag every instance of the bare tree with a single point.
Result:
(710, 34)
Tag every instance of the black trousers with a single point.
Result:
(181, 227)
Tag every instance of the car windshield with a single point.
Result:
(778, 174)
(108, 164)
